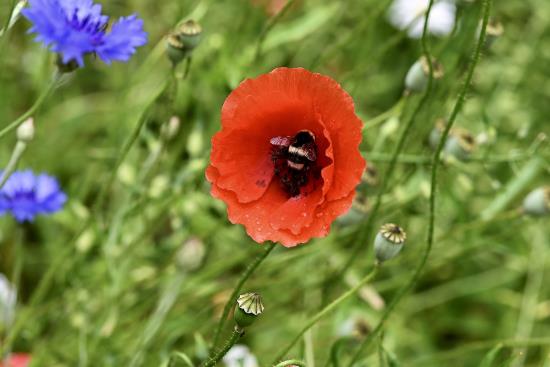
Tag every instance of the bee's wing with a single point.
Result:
(310, 153)
(281, 141)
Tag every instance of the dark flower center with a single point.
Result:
(295, 161)
(94, 27)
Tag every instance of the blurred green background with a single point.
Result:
(485, 281)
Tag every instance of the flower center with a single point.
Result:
(294, 160)
(94, 27)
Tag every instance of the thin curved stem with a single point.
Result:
(41, 98)
(231, 301)
(486, 6)
(268, 27)
(237, 333)
(330, 307)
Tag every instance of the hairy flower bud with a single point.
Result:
(389, 241)
(418, 75)
(25, 131)
(249, 307)
(537, 202)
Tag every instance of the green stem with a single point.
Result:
(41, 98)
(231, 301)
(12, 163)
(291, 362)
(268, 27)
(330, 307)
(237, 333)
(435, 165)
(393, 111)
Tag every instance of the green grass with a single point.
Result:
(92, 276)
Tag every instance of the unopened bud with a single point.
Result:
(537, 202)
(191, 254)
(25, 131)
(65, 68)
(249, 307)
(389, 241)
(419, 74)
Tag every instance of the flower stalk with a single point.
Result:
(230, 302)
(326, 310)
(235, 336)
(436, 160)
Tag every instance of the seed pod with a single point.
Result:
(25, 131)
(389, 241)
(418, 75)
(460, 144)
(493, 31)
(181, 42)
(537, 202)
(249, 307)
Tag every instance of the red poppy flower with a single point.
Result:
(287, 160)
(17, 360)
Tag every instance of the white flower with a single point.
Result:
(410, 15)
(8, 299)
(240, 356)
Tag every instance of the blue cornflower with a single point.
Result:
(26, 195)
(74, 28)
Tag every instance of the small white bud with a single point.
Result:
(389, 241)
(418, 75)
(537, 202)
(191, 254)
(170, 129)
(25, 131)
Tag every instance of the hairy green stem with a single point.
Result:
(231, 301)
(12, 163)
(327, 309)
(269, 26)
(41, 98)
(212, 361)
(486, 6)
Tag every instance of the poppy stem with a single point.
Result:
(232, 299)
(237, 333)
(327, 309)
(436, 160)
(271, 23)
(366, 231)
(41, 98)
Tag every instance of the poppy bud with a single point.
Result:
(249, 307)
(419, 73)
(460, 144)
(25, 131)
(181, 43)
(537, 202)
(435, 134)
(389, 241)
(191, 254)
